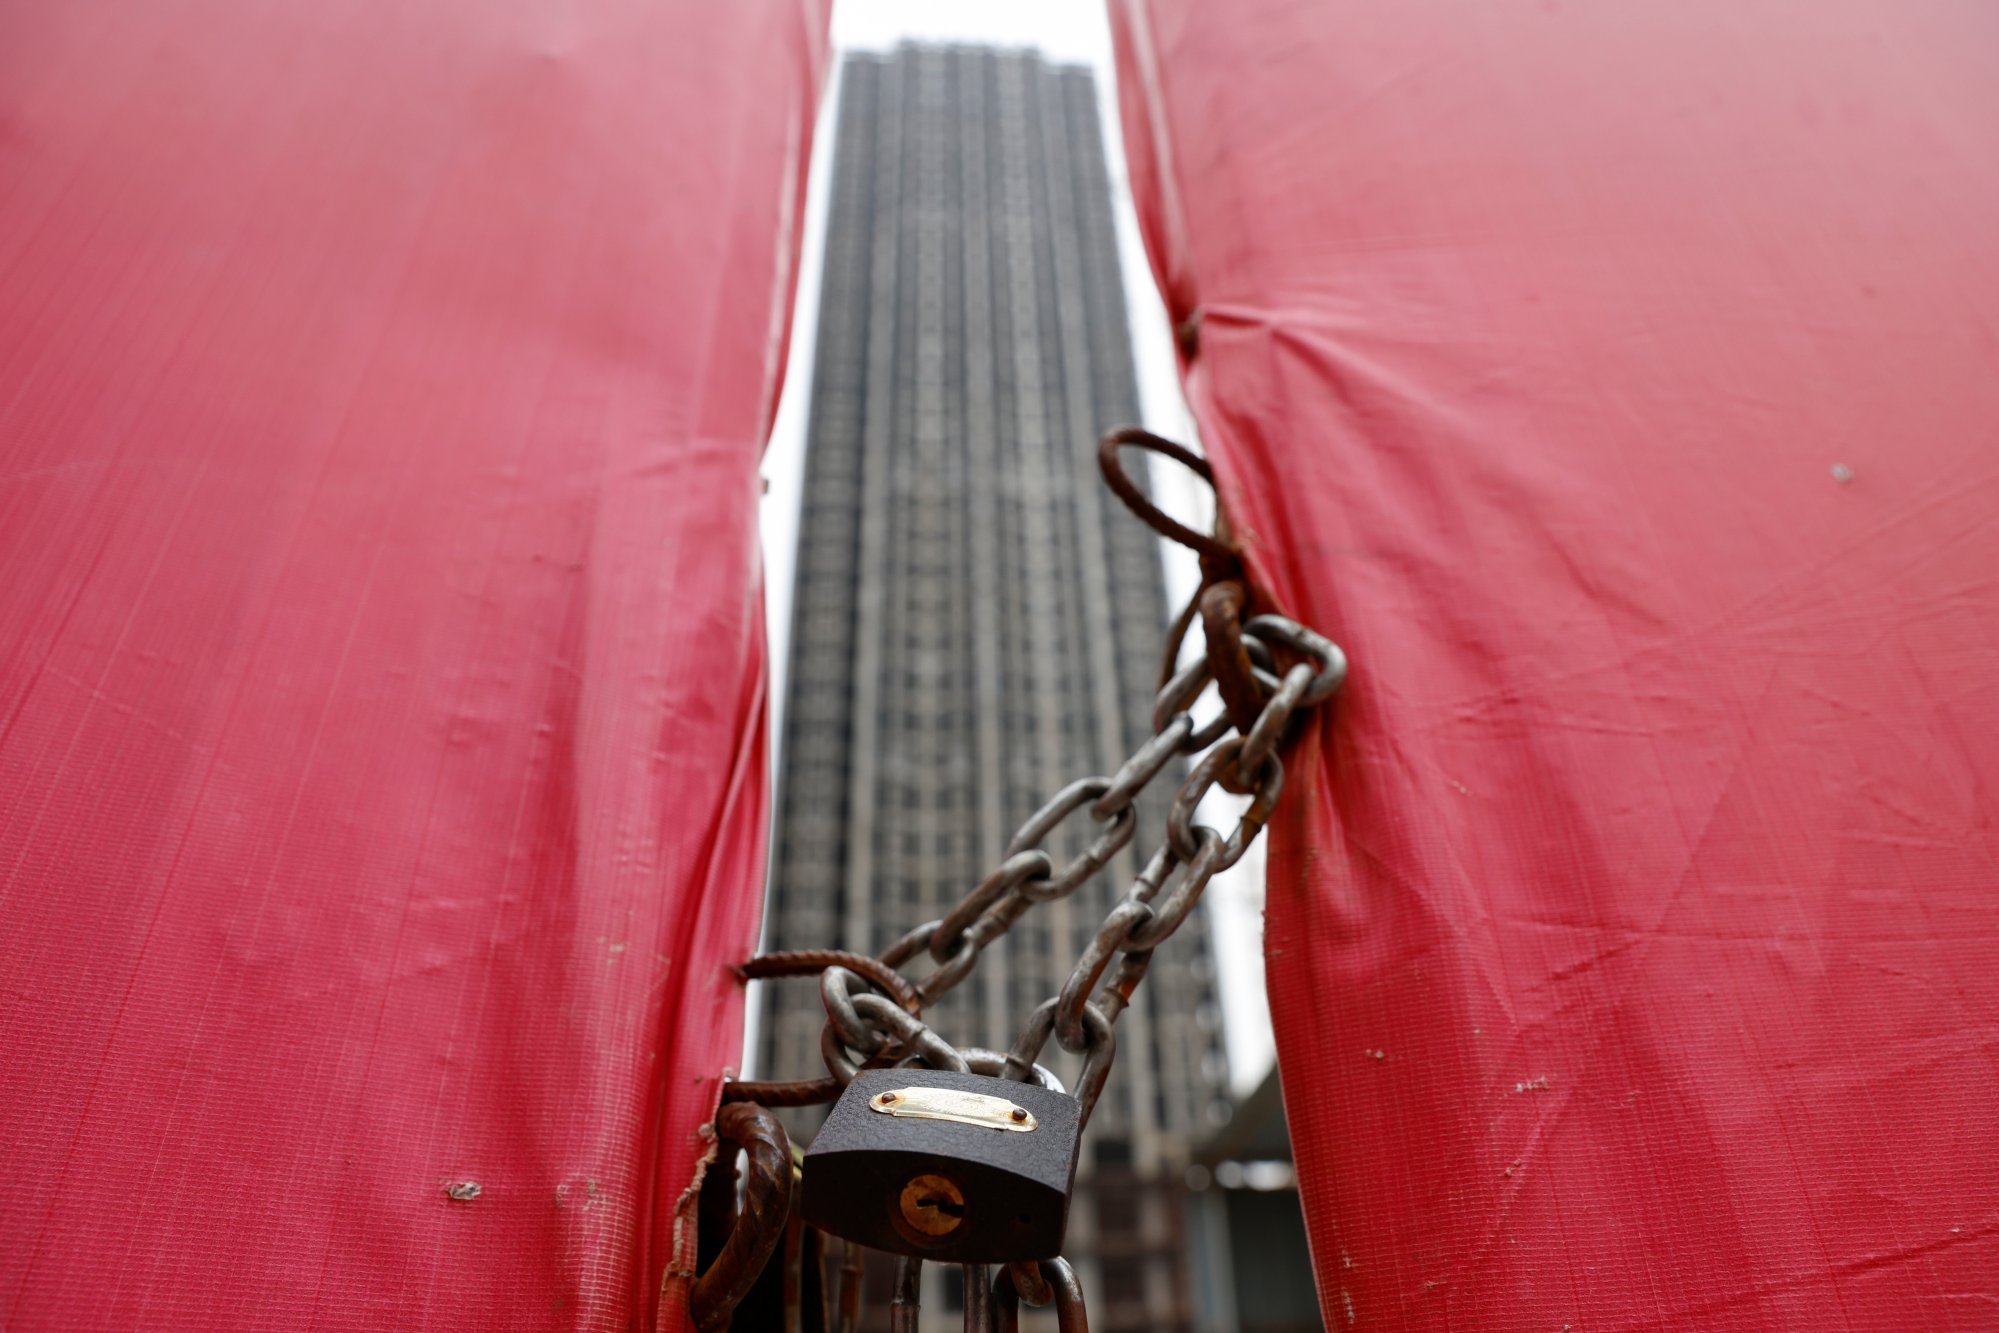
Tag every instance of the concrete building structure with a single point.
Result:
(976, 620)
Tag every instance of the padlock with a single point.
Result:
(960, 1168)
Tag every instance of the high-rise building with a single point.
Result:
(977, 621)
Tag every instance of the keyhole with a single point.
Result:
(932, 1206)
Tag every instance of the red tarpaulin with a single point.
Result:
(1620, 383)
(381, 663)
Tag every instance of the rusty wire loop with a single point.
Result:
(1028, 1282)
(760, 1221)
(1136, 500)
(815, 962)
(821, 963)
(1270, 673)
(1052, 1281)
(1228, 656)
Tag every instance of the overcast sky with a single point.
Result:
(1071, 31)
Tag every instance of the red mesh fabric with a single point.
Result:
(1620, 384)
(381, 663)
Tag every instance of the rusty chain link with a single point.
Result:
(1270, 672)
(1052, 1281)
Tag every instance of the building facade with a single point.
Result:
(976, 619)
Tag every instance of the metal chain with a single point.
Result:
(1270, 673)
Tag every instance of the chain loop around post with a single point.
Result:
(1270, 672)
(808, 962)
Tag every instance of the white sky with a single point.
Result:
(1071, 31)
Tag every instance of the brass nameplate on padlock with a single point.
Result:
(964, 1108)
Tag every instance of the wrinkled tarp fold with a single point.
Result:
(1620, 384)
(382, 674)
